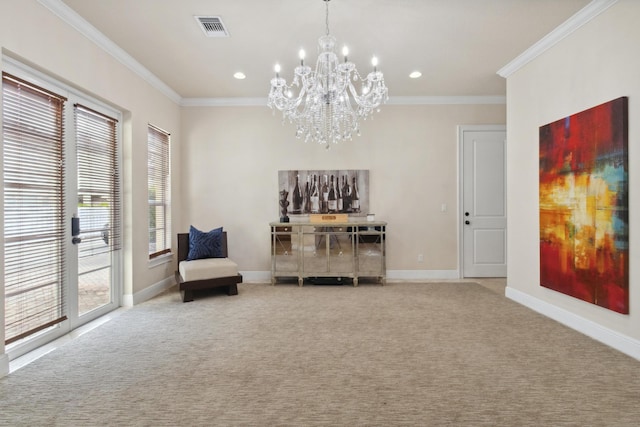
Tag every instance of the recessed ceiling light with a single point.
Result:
(239, 75)
(415, 74)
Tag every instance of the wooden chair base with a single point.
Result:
(187, 288)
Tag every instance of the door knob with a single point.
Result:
(466, 214)
(467, 222)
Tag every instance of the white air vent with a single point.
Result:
(212, 26)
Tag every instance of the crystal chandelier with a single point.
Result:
(327, 105)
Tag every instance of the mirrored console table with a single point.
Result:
(322, 250)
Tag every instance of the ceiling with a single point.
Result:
(458, 45)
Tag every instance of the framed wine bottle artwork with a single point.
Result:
(304, 192)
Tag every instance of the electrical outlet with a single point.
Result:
(420, 258)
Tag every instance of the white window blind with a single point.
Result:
(98, 176)
(34, 226)
(159, 184)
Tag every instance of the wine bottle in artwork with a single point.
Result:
(324, 204)
(333, 201)
(355, 196)
(315, 196)
(346, 194)
(339, 203)
(297, 198)
(306, 205)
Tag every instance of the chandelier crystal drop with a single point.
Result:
(324, 103)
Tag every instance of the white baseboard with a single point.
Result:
(129, 300)
(4, 365)
(256, 276)
(392, 275)
(620, 342)
(412, 275)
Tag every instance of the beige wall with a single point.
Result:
(58, 50)
(595, 64)
(232, 155)
(229, 157)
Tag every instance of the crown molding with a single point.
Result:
(224, 102)
(69, 16)
(394, 100)
(447, 100)
(583, 16)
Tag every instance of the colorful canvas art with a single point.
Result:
(584, 220)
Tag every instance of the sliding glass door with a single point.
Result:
(35, 265)
(61, 205)
(98, 207)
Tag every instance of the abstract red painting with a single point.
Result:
(584, 207)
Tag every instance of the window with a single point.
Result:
(34, 226)
(159, 185)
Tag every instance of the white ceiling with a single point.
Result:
(458, 45)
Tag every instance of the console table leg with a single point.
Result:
(300, 281)
(355, 282)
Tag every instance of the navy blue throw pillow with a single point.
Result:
(204, 244)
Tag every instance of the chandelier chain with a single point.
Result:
(326, 2)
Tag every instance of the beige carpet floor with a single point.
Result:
(412, 354)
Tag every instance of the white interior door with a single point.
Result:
(484, 208)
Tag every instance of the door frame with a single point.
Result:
(461, 130)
